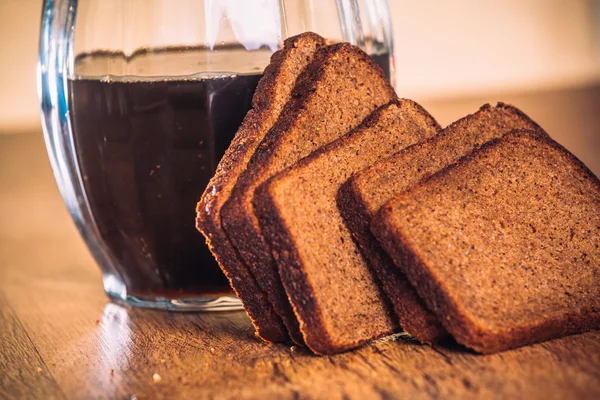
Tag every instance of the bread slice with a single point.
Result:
(273, 92)
(368, 190)
(334, 294)
(504, 246)
(338, 90)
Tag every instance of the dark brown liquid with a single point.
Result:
(383, 60)
(147, 149)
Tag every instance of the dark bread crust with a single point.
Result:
(359, 199)
(306, 267)
(273, 91)
(293, 276)
(411, 311)
(283, 145)
(437, 293)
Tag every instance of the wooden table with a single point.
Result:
(61, 338)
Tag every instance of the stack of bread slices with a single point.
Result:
(341, 214)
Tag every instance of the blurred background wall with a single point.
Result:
(443, 49)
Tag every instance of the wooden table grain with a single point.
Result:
(60, 337)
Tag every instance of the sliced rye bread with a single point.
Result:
(335, 296)
(504, 246)
(368, 190)
(273, 92)
(340, 88)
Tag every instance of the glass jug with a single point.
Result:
(140, 100)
